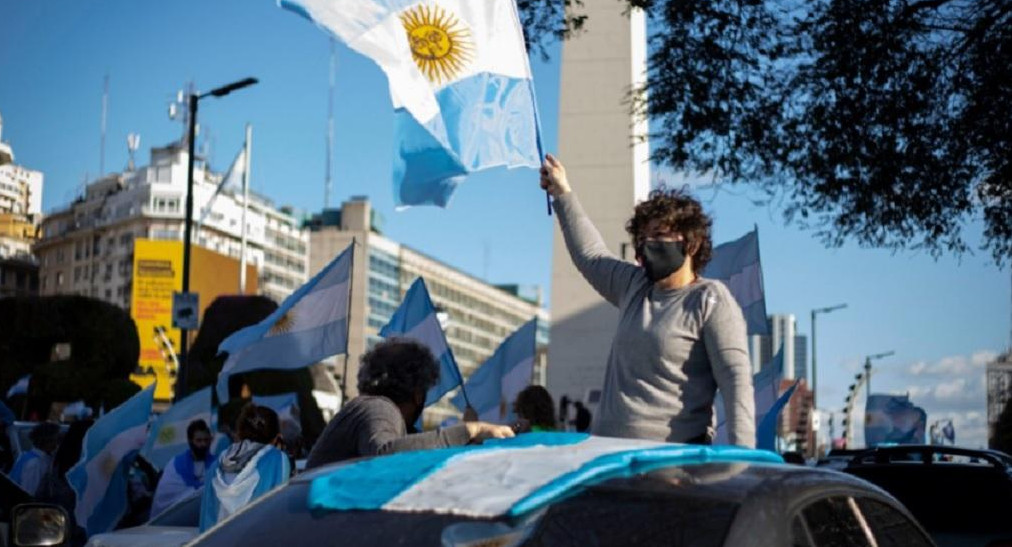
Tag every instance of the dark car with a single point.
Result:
(700, 497)
(961, 496)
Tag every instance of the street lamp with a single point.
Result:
(867, 367)
(191, 138)
(815, 384)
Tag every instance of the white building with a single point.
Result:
(86, 247)
(20, 204)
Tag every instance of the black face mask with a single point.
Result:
(661, 258)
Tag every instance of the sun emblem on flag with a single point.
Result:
(167, 435)
(283, 324)
(440, 43)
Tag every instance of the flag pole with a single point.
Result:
(347, 336)
(245, 207)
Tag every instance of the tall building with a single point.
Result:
(86, 247)
(478, 315)
(610, 169)
(783, 333)
(999, 390)
(20, 212)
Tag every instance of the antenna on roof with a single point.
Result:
(105, 114)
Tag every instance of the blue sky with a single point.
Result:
(943, 318)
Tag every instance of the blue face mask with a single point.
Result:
(661, 258)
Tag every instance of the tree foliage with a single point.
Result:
(546, 21)
(885, 121)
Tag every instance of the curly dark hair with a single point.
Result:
(397, 368)
(258, 424)
(535, 405)
(684, 214)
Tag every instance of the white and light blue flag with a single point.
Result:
(231, 180)
(768, 404)
(310, 325)
(893, 419)
(167, 436)
(286, 405)
(737, 264)
(99, 479)
(497, 382)
(416, 318)
(460, 83)
(20, 387)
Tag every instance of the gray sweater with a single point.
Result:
(672, 350)
(371, 426)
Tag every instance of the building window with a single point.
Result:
(59, 279)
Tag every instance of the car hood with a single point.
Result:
(145, 536)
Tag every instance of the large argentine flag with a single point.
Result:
(737, 264)
(99, 479)
(167, 437)
(310, 325)
(497, 382)
(416, 319)
(511, 477)
(459, 79)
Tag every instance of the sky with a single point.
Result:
(944, 318)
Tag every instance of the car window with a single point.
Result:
(890, 526)
(183, 513)
(632, 518)
(832, 522)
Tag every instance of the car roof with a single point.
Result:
(725, 473)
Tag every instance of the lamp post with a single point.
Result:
(815, 383)
(191, 138)
(867, 367)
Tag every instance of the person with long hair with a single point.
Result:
(248, 469)
(535, 407)
(680, 336)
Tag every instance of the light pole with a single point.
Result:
(815, 383)
(191, 138)
(867, 367)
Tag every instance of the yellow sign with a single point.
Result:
(440, 43)
(158, 272)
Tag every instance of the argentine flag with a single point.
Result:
(20, 387)
(416, 319)
(497, 382)
(768, 404)
(460, 83)
(737, 264)
(310, 325)
(511, 477)
(167, 437)
(99, 479)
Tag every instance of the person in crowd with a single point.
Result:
(31, 467)
(680, 337)
(248, 469)
(583, 417)
(185, 473)
(534, 406)
(392, 382)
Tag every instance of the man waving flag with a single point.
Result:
(460, 82)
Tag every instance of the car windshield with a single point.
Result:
(606, 514)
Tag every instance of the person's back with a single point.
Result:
(392, 381)
(246, 470)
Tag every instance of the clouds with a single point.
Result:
(957, 365)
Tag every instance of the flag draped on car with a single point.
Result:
(460, 83)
